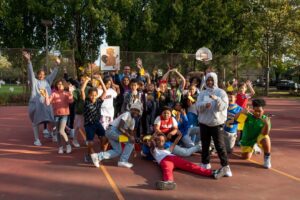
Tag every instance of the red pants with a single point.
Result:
(169, 163)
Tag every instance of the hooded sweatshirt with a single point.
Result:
(217, 113)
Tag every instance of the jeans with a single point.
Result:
(217, 133)
(192, 137)
(185, 152)
(112, 133)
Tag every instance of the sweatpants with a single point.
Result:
(169, 163)
(217, 133)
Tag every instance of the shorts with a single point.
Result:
(229, 139)
(249, 149)
(91, 129)
(60, 118)
(78, 121)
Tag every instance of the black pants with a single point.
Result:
(216, 133)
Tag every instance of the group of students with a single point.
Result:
(168, 116)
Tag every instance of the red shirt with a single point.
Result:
(242, 100)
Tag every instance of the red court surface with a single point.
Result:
(30, 172)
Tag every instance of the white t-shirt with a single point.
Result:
(126, 117)
(193, 109)
(158, 121)
(160, 154)
(107, 107)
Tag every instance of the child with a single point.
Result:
(166, 124)
(256, 130)
(91, 113)
(168, 162)
(121, 126)
(132, 97)
(38, 111)
(60, 100)
(107, 108)
(230, 127)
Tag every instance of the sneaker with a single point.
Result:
(37, 142)
(60, 150)
(87, 158)
(72, 133)
(125, 164)
(165, 185)
(68, 148)
(267, 162)
(75, 143)
(95, 159)
(46, 133)
(256, 149)
(228, 172)
(205, 166)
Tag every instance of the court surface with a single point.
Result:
(30, 172)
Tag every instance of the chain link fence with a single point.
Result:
(14, 88)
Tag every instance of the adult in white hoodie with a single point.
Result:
(212, 104)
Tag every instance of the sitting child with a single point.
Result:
(168, 162)
(256, 130)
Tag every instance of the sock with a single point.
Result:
(267, 154)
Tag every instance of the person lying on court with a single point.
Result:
(168, 162)
(256, 130)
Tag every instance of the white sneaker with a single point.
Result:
(205, 166)
(267, 162)
(227, 170)
(60, 150)
(256, 149)
(37, 142)
(72, 133)
(95, 159)
(68, 148)
(125, 164)
(75, 143)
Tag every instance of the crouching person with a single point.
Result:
(121, 127)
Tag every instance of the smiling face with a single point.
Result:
(41, 75)
(134, 113)
(173, 82)
(126, 81)
(258, 112)
(93, 96)
(160, 141)
(166, 114)
(60, 86)
(210, 82)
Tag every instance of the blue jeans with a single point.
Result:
(112, 133)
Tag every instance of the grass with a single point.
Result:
(18, 89)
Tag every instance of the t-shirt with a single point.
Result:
(242, 99)
(232, 110)
(160, 154)
(107, 108)
(164, 125)
(252, 130)
(91, 111)
(127, 118)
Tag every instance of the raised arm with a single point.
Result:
(82, 90)
(182, 78)
(249, 85)
(166, 75)
(50, 78)
(98, 77)
(30, 72)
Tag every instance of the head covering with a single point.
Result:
(215, 78)
(137, 107)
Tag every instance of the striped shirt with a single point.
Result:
(92, 111)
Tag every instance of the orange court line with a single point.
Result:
(112, 183)
(109, 178)
(273, 169)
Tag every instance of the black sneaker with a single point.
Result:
(87, 158)
(165, 185)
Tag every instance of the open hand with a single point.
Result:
(57, 61)
(27, 55)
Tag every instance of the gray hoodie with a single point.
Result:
(217, 113)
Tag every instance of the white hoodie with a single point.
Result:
(217, 113)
